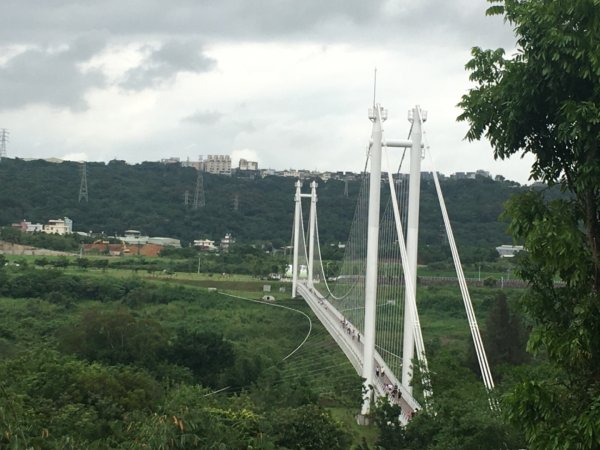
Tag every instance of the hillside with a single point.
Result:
(149, 197)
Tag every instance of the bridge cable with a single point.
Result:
(330, 293)
(475, 333)
(353, 263)
(410, 289)
(310, 326)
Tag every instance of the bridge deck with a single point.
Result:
(352, 346)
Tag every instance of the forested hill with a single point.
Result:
(150, 197)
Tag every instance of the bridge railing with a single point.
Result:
(332, 319)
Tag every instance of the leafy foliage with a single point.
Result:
(149, 197)
(205, 353)
(115, 337)
(458, 416)
(546, 101)
(308, 427)
(102, 375)
(51, 395)
(504, 337)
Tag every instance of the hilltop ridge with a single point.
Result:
(150, 197)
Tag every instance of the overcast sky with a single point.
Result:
(284, 82)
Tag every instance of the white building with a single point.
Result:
(33, 227)
(509, 251)
(171, 160)
(165, 241)
(205, 244)
(267, 172)
(217, 164)
(247, 165)
(28, 227)
(133, 237)
(290, 173)
(227, 242)
(59, 226)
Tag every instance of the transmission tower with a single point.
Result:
(199, 201)
(83, 190)
(186, 198)
(346, 188)
(3, 140)
(236, 202)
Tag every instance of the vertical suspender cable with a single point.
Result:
(416, 324)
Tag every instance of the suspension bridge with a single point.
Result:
(370, 307)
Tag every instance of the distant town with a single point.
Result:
(222, 165)
(133, 242)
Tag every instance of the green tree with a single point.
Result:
(191, 418)
(458, 415)
(392, 434)
(100, 263)
(61, 262)
(205, 353)
(41, 262)
(49, 399)
(545, 100)
(504, 337)
(153, 191)
(308, 427)
(115, 337)
(504, 334)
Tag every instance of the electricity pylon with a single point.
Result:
(83, 189)
(199, 200)
(3, 140)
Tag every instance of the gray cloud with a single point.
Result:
(50, 76)
(277, 123)
(459, 22)
(241, 18)
(308, 20)
(164, 63)
(203, 117)
(247, 126)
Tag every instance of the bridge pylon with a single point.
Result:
(412, 242)
(372, 345)
(311, 232)
(377, 115)
(298, 227)
(297, 214)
